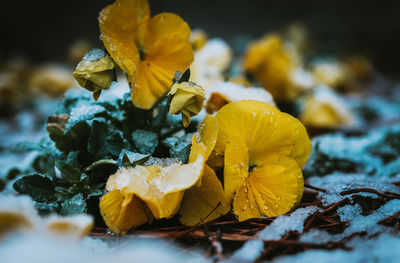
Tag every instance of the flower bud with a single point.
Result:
(187, 99)
(95, 72)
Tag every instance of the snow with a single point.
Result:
(19, 216)
(283, 224)
(41, 249)
(337, 182)
(249, 252)
(235, 92)
(349, 212)
(383, 248)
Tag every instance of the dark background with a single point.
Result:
(43, 30)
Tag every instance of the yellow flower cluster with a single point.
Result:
(148, 49)
(262, 149)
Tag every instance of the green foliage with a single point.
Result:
(87, 141)
(322, 164)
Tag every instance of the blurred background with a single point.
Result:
(45, 30)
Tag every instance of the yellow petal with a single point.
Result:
(264, 129)
(216, 102)
(122, 211)
(208, 134)
(120, 25)
(160, 188)
(165, 26)
(167, 49)
(236, 166)
(94, 72)
(273, 188)
(149, 84)
(204, 203)
(186, 97)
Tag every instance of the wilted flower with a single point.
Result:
(95, 72)
(325, 109)
(187, 99)
(271, 64)
(149, 50)
(51, 79)
(328, 72)
(264, 150)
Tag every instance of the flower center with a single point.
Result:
(251, 167)
(142, 54)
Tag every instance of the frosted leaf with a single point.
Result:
(162, 162)
(83, 113)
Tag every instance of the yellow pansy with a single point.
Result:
(139, 194)
(264, 150)
(204, 201)
(325, 109)
(149, 50)
(187, 99)
(271, 64)
(94, 72)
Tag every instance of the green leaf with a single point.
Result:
(145, 141)
(128, 158)
(74, 205)
(69, 172)
(97, 145)
(84, 179)
(72, 140)
(95, 193)
(179, 77)
(178, 148)
(45, 208)
(40, 188)
(72, 158)
(114, 144)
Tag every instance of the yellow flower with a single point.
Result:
(139, 194)
(149, 50)
(204, 201)
(198, 38)
(225, 92)
(264, 150)
(94, 72)
(325, 109)
(270, 63)
(329, 72)
(187, 99)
